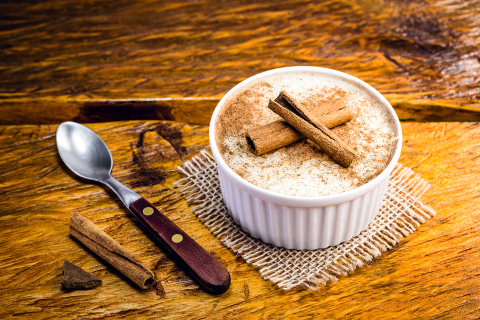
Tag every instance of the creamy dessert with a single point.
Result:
(302, 168)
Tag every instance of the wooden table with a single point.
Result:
(96, 62)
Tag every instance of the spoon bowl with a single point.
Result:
(84, 152)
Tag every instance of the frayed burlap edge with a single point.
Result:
(401, 213)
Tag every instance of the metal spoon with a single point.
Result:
(88, 156)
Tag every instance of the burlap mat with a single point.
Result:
(401, 213)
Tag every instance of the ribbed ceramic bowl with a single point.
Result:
(302, 222)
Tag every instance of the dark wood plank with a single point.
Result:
(421, 55)
(189, 110)
(433, 273)
(51, 111)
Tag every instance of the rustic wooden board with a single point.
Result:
(433, 273)
(423, 55)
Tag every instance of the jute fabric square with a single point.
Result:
(401, 213)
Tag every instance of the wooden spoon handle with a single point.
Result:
(208, 272)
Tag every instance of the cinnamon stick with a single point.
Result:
(303, 120)
(110, 251)
(279, 134)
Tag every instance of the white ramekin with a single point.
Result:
(302, 222)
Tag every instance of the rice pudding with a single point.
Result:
(303, 169)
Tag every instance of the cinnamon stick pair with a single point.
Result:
(110, 251)
(279, 134)
(306, 123)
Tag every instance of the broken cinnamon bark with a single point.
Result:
(75, 277)
(110, 251)
(279, 134)
(304, 121)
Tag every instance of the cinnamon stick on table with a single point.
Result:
(301, 119)
(279, 134)
(110, 251)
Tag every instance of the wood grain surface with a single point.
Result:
(58, 55)
(431, 274)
